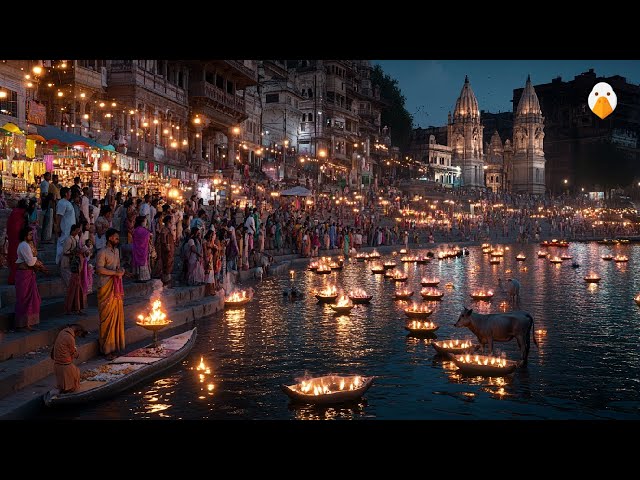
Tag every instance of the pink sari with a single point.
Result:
(140, 247)
(27, 299)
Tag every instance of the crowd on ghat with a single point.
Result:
(100, 241)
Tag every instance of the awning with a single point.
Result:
(54, 135)
(38, 138)
(296, 192)
(13, 128)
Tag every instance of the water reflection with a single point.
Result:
(345, 411)
(587, 336)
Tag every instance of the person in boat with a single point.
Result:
(63, 353)
(110, 296)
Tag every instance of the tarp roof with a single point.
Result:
(295, 192)
(54, 135)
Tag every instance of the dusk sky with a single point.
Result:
(431, 87)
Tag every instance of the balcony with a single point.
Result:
(250, 74)
(216, 102)
(127, 73)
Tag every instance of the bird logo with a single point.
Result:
(602, 100)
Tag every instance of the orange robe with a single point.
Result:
(64, 351)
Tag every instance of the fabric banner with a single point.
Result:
(142, 166)
(48, 162)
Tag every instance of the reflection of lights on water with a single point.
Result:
(210, 387)
(541, 332)
(201, 377)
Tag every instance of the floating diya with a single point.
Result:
(359, 295)
(555, 259)
(389, 264)
(335, 266)
(449, 285)
(542, 254)
(390, 273)
(637, 299)
(566, 257)
(377, 268)
(403, 294)
(422, 260)
(407, 259)
(327, 294)
(313, 266)
(497, 253)
(607, 257)
(238, 298)
(482, 295)
(323, 269)
(484, 365)
(417, 311)
(494, 261)
(399, 276)
(361, 257)
(421, 327)
(343, 305)
(521, 257)
(620, 258)
(403, 250)
(374, 254)
(592, 278)
(452, 346)
(330, 389)
(429, 282)
(430, 293)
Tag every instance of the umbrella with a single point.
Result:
(296, 192)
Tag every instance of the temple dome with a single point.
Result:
(529, 103)
(467, 104)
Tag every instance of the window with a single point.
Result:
(304, 117)
(311, 117)
(272, 98)
(220, 81)
(303, 127)
(230, 88)
(9, 104)
(310, 93)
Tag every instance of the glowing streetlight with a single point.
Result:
(105, 167)
(566, 181)
(236, 130)
(37, 70)
(197, 120)
(322, 153)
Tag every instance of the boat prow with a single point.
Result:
(139, 366)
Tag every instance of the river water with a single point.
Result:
(587, 365)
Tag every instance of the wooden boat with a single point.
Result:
(323, 270)
(330, 389)
(521, 257)
(231, 302)
(555, 243)
(555, 260)
(126, 371)
(360, 300)
(566, 257)
(494, 261)
(374, 255)
(416, 327)
(336, 266)
(452, 347)
(431, 294)
(399, 278)
(620, 258)
(592, 279)
(402, 295)
(377, 269)
(313, 267)
(607, 257)
(542, 254)
(388, 265)
(341, 308)
(481, 365)
(327, 298)
(412, 312)
(482, 295)
(422, 260)
(430, 282)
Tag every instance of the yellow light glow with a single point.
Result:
(105, 167)
(37, 70)
(236, 130)
(60, 94)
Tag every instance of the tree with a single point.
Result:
(394, 115)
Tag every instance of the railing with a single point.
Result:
(128, 73)
(241, 67)
(205, 89)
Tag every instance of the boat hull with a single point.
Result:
(127, 381)
(473, 369)
(331, 398)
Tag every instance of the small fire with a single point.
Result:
(620, 258)
(455, 344)
(418, 325)
(376, 267)
(503, 306)
(344, 301)
(405, 292)
(637, 299)
(521, 256)
(390, 263)
(398, 275)
(431, 292)
(237, 296)
(329, 385)
(449, 285)
(415, 308)
(497, 253)
(607, 257)
(403, 250)
(482, 294)
(430, 281)
(555, 259)
(358, 293)
(592, 277)
(484, 360)
(374, 254)
(542, 254)
(328, 291)
(155, 317)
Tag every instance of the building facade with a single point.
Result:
(528, 174)
(464, 137)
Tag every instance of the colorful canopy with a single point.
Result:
(54, 135)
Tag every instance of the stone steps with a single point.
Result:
(35, 364)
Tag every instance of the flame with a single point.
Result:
(592, 276)
(496, 362)
(403, 250)
(482, 293)
(317, 386)
(201, 365)
(418, 325)
(415, 308)
(521, 256)
(455, 344)
(156, 317)
(555, 259)
(237, 297)
(620, 258)
(342, 384)
(344, 301)
(358, 293)
(434, 281)
(328, 291)
(390, 263)
(431, 292)
(542, 253)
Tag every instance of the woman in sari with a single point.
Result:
(166, 250)
(15, 223)
(76, 299)
(195, 272)
(209, 272)
(140, 250)
(27, 306)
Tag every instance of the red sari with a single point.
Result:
(16, 222)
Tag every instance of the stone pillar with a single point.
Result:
(231, 154)
(198, 143)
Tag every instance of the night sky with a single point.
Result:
(431, 87)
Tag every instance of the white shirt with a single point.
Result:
(25, 254)
(84, 206)
(250, 224)
(145, 210)
(65, 209)
(44, 188)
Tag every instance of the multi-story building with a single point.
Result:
(571, 128)
(15, 92)
(435, 157)
(464, 136)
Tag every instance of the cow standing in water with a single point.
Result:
(500, 327)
